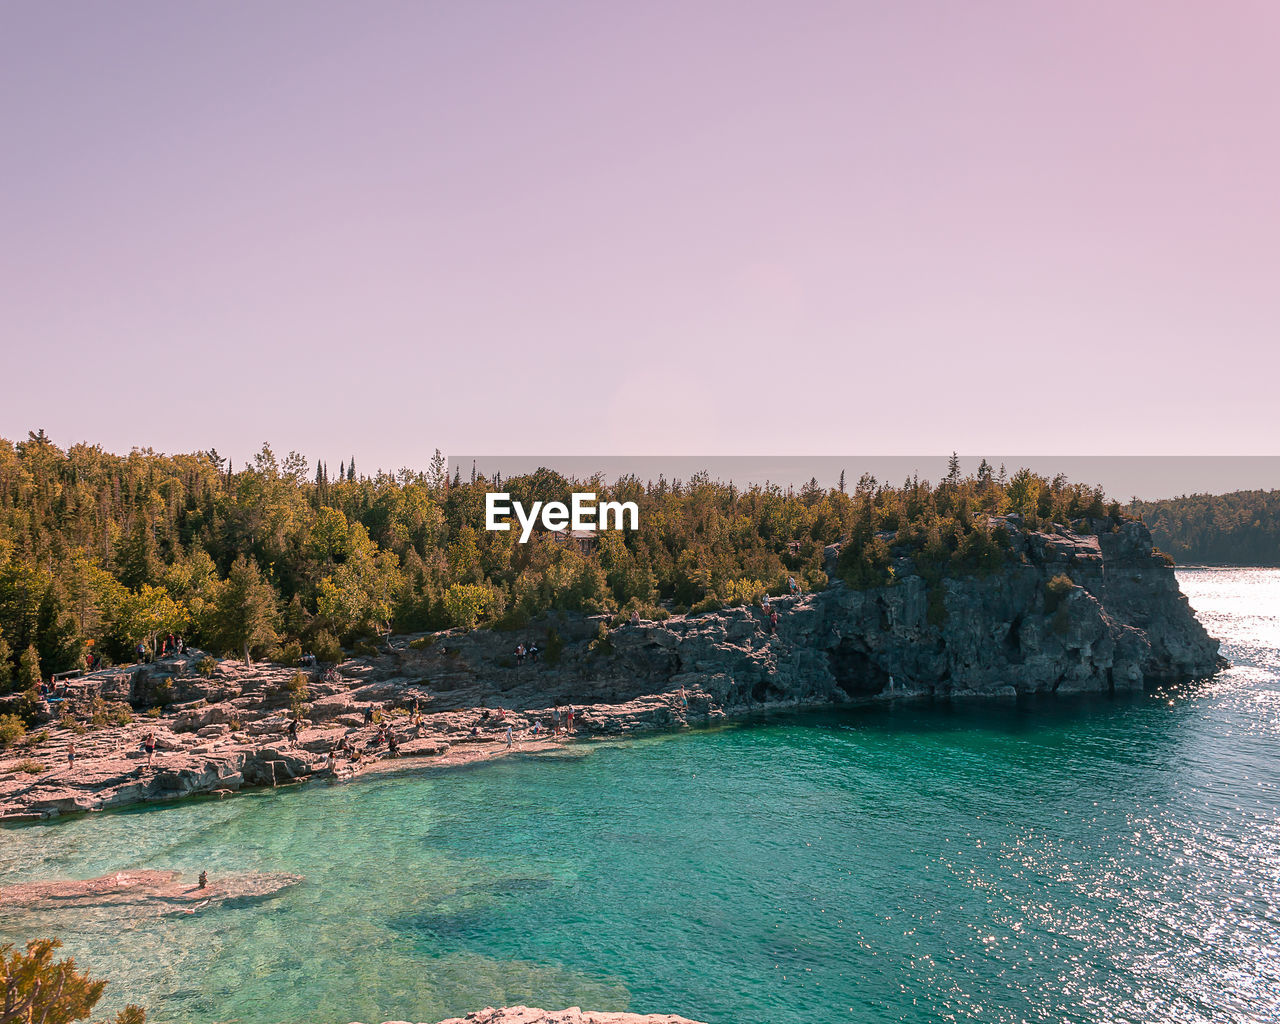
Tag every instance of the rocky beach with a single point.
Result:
(1119, 624)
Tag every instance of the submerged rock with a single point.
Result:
(573, 1015)
(158, 891)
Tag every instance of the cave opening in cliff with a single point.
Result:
(854, 670)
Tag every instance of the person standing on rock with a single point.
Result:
(71, 754)
(293, 732)
(149, 745)
(508, 735)
(568, 722)
(555, 721)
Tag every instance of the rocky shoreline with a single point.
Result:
(573, 1015)
(1117, 625)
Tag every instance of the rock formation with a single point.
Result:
(1068, 613)
(573, 1015)
(158, 891)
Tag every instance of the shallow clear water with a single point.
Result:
(1099, 860)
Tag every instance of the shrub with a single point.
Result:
(601, 644)
(288, 654)
(206, 666)
(555, 647)
(31, 767)
(164, 692)
(422, 643)
(154, 712)
(299, 692)
(1163, 557)
(35, 988)
(71, 725)
(12, 730)
(326, 647)
(707, 604)
(121, 714)
(365, 649)
(1055, 590)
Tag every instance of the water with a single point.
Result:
(1100, 860)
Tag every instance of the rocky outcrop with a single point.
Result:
(153, 891)
(1068, 613)
(573, 1015)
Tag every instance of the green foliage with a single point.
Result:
(299, 692)
(12, 730)
(555, 647)
(29, 767)
(1240, 528)
(1055, 590)
(36, 989)
(287, 654)
(207, 666)
(326, 647)
(602, 644)
(29, 668)
(124, 549)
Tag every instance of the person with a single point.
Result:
(149, 745)
(204, 880)
(71, 754)
(537, 727)
(568, 721)
(330, 762)
(393, 745)
(684, 697)
(368, 715)
(555, 721)
(635, 616)
(519, 654)
(508, 736)
(293, 732)
(792, 585)
(773, 620)
(764, 603)
(533, 652)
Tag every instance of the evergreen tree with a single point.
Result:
(351, 468)
(29, 669)
(953, 469)
(246, 610)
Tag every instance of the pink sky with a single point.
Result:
(691, 227)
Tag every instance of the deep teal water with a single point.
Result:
(1098, 860)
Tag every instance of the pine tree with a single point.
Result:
(6, 665)
(351, 468)
(953, 469)
(246, 607)
(29, 668)
(842, 481)
(437, 476)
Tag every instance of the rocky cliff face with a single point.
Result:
(1118, 624)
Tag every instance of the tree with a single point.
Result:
(146, 614)
(437, 472)
(246, 611)
(34, 989)
(351, 468)
(29, 668)
(953, 469)
(6, 665)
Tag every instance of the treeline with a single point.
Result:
(100, 552)
(1241, 528)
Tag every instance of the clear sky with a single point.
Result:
(685, 227)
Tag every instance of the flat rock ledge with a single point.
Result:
(573, 1015)
(161, 891)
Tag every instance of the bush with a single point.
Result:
(1163, 557)
(153, 712)
(121, 714)
(601, 644)
(299, 692)
(707, 604)
(1055, 590)
(365, 649)
(164, 692)
(326, 647)
(206, 666)
(422, 643)
(288, 654)
(35, 988)
(71, 725)
(31, 767)
(12, 730)
(555, 647)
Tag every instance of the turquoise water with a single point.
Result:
(1100, 860)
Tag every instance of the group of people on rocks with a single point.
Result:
(770, 610)
(523, 650)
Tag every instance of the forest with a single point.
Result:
(1241, 528)
(101, 553)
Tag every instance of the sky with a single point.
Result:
(740, 228)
